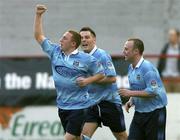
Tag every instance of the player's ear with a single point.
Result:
(73, 43)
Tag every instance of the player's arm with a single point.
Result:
(89, 80)
(135, 93)
(109, 69)
(94, 78)
(107, 80)
(129, 104)
(151, 90)
(151, 79)
(96, 71)
(38, 30)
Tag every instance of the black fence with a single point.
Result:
(28, 81)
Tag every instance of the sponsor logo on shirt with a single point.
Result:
(66, 72)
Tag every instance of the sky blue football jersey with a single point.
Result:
(66, 70)
(106, 92)
(146, 77)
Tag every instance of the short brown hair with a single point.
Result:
(76, 37)
(138, 44)
(88, 29)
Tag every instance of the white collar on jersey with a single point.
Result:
(73, 52)
(66, 57)
(139, 63)
(93, 50)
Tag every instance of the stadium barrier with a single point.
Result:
(28, 80)
(27, 97)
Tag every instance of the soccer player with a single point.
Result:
(108, 109)
(146, 93)
(68, 64)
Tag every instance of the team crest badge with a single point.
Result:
(76, 63)
(153, 84)
(138, 77)
(110, 65)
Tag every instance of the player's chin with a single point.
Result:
(63, 48)
(85, 49)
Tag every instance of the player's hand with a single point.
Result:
(82, 82)
(128, 105)
(124, 92)
(40, 9)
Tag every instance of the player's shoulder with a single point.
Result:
(85, 56)
(47, 41)
(101, 51)
(102, 54)
(147, 66)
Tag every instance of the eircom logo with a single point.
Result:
(34, 123)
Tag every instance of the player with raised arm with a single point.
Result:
(68, 64)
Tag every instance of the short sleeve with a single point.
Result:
(94, 66)
(108, 66)
(152, 82)
(48, 47)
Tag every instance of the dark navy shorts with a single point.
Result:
(72, 120)
(107, 113)
(148, 126)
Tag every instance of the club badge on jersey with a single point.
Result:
(110, 65)
(138, 77)
(76, 63)
(154, 84)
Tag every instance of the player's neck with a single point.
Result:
(68, 52)
(136, 60)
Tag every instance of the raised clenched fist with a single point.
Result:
(40, 9)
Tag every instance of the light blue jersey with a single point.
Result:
(146, 77)
(107, 92)
(66, 70)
